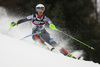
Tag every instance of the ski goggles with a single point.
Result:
(40, 9)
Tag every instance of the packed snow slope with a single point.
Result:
(16, 53)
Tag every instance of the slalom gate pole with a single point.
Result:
(76, 39)
(30, 35)
(8, 30)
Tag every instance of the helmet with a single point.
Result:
(40, 8)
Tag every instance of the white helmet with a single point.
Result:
(40, 8)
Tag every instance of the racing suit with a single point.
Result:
(38, 24)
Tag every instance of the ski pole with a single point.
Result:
(76, 39)
(8, 30)
(54, 28)
(30, 35)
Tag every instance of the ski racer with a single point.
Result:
(38, 24)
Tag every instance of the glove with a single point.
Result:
(52, 26)
(13, 24)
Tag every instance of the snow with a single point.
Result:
(17, 53)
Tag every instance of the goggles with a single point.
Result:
(40, 9)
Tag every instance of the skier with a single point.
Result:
(38, 24)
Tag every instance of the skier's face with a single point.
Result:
(40, 13)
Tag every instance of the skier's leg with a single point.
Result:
(46, 36)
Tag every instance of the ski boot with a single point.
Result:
(70, 55)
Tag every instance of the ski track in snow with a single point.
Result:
(24, 29)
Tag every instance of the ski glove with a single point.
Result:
(13, 24)
(52, 26)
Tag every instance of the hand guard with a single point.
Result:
(13, 24)
(52, 26)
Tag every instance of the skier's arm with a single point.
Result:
(29, 18)
(51, 25)
(48, 20)
(22, 20)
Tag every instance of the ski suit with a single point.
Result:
(38, 24)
